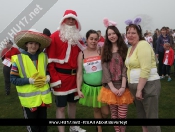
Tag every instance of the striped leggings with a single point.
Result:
(119, 112)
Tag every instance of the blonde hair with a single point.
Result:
(167, 44)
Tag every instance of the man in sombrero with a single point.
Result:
(62, 55)
(28, 73)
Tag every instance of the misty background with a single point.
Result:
(154, 13)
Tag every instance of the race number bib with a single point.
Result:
(7, 62)
(92, 64)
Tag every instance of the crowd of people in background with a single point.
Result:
(106, 73)
(164, 57)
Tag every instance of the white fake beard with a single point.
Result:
(69, 34)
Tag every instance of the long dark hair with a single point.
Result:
(107, 49)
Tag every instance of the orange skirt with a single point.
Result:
(107, 96)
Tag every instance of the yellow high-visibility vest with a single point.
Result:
(29, 95)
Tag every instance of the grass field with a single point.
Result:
(11, 108)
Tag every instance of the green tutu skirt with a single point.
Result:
(90, 96)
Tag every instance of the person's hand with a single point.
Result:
(34, 76)
(80, 94)
(40, 81)
(121, 91)
(58, 86)
(47, 79)
(139, 95)
(31, 80)
(115, 91)
(157, 55)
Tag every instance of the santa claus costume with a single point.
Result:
(62, 57)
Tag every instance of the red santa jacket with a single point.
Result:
(170, 57)
(62, 55)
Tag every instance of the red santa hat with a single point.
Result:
(72, 14)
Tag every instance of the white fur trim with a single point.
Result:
(65, 92)
(55, 83)
(56, 61)
(67, 53)
(73, 16)
(66, 57)
(69, 50)
(34, 30)
(81, 47)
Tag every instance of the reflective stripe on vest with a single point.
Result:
(33, 93)
(22, 65)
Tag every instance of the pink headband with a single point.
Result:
(136, 21)
(107, 23)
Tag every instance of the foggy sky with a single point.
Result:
(154, 13)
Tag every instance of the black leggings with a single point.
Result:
(160, 58)
(166, 69)
(40, 113)
(6, 72)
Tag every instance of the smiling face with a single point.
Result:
(32, 47)
(163, 32)
(70, 21)
(112, 36)
(92, 41)
(132, 36)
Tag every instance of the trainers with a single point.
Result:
(76, 129)
(162, 77)
(169, 79)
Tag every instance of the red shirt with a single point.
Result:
(101, 39)
(170, 57)
(8, 53)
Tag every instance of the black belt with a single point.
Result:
(66, 71)
(92, 85)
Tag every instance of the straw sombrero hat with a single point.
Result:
(21, 38)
